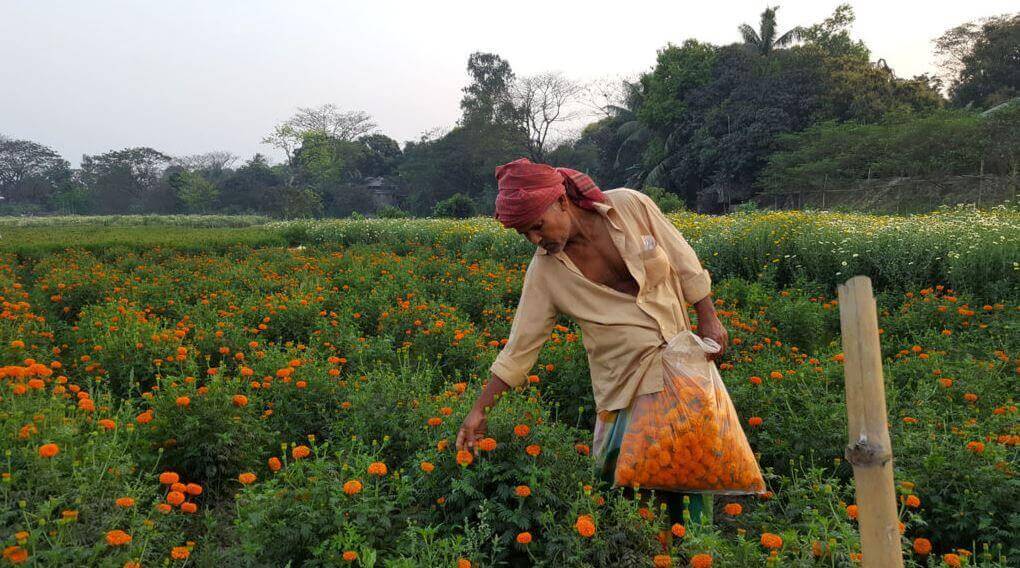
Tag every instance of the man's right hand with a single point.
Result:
(472, 430)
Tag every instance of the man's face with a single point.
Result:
(552, 229)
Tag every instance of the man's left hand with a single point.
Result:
(712, 328)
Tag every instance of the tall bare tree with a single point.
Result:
(545, 102)
(346, 126)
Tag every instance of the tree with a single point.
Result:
(833, 35)
(129, 180)
(382, 156)
(328, 119)
(198, 194)
(487, 97)
(30, 174)
(764, 40)
(543, 101)
(981, 61)
(251, 188)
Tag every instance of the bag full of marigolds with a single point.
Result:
(687, 437)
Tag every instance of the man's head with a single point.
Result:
(541, 202)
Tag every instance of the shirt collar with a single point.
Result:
(603, 208)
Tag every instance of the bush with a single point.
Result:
(458, 206)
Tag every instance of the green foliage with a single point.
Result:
(458, 206)
(947, 142)
(667, 202)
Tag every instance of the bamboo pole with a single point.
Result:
(869, 449)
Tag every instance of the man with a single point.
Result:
(612, 262)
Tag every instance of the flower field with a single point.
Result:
(207, 393)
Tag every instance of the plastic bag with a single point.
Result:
(687, 437)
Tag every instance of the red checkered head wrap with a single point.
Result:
(526, 189)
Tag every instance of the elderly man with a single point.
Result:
(614, 264)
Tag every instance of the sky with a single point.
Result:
(191, 76)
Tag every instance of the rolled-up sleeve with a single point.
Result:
(533, 322)
(695, 281)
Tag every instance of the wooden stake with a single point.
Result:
(869, 449)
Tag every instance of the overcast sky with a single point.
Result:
(189, 76)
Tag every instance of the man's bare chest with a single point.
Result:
(600, 261)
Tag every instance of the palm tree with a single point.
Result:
(764, 39)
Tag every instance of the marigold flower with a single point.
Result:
(524, 538)
(754, 421)
(487, 444)
(377, 468)
(352, 487)
(107, 424)
(168, 478)
(117, 537)
(125, 502)
(15, 554)
(180, 553)
(771, 541)
(533, 450)
(246, 478)
(701, 561)
(733, 509)
(585, 526)
(522, 430)
(301, 452)
(349, 556)
(463, 563)
(952, 560)
(48, 450)
(922, 546)
(427, 467)
(678, 530)
(465, 457)
(582, 449)
(522, 491)
(662, 561)
(970, 397)
(188, 507)
(175, 498)
(183, 401)
(851, 511)
(275, 464)
(435, 421)
(193, 489)
(913, 501)
(976, 447)
(239, 400)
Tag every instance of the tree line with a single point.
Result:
(708, 126)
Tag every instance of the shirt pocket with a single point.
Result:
(656, 263)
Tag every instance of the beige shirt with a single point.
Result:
(622, 334)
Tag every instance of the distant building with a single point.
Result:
(384, 192)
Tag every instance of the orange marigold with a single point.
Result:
(377, 468)
(352, 487)
(168, 477)
(465, 457)
(662, 561)
(585, 526)
(15, 554)
(524, 538)
(533, 450)
(183, 401)
(913, 501)
(952, 560)
(701, 561)
(240, 400)
(678, 530)
(48, 450)
(350, 556)
(175, 498)
(180, 553)
(922, 546)
(117, 537)
(771, 541)
(427, 467)
(487, 444)
(246, 478)
(301, 452)
(733, 509)
(125, 502)
(522, 430)
(275, 464)
(851, 511)
(188, 507)
(522, 491)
